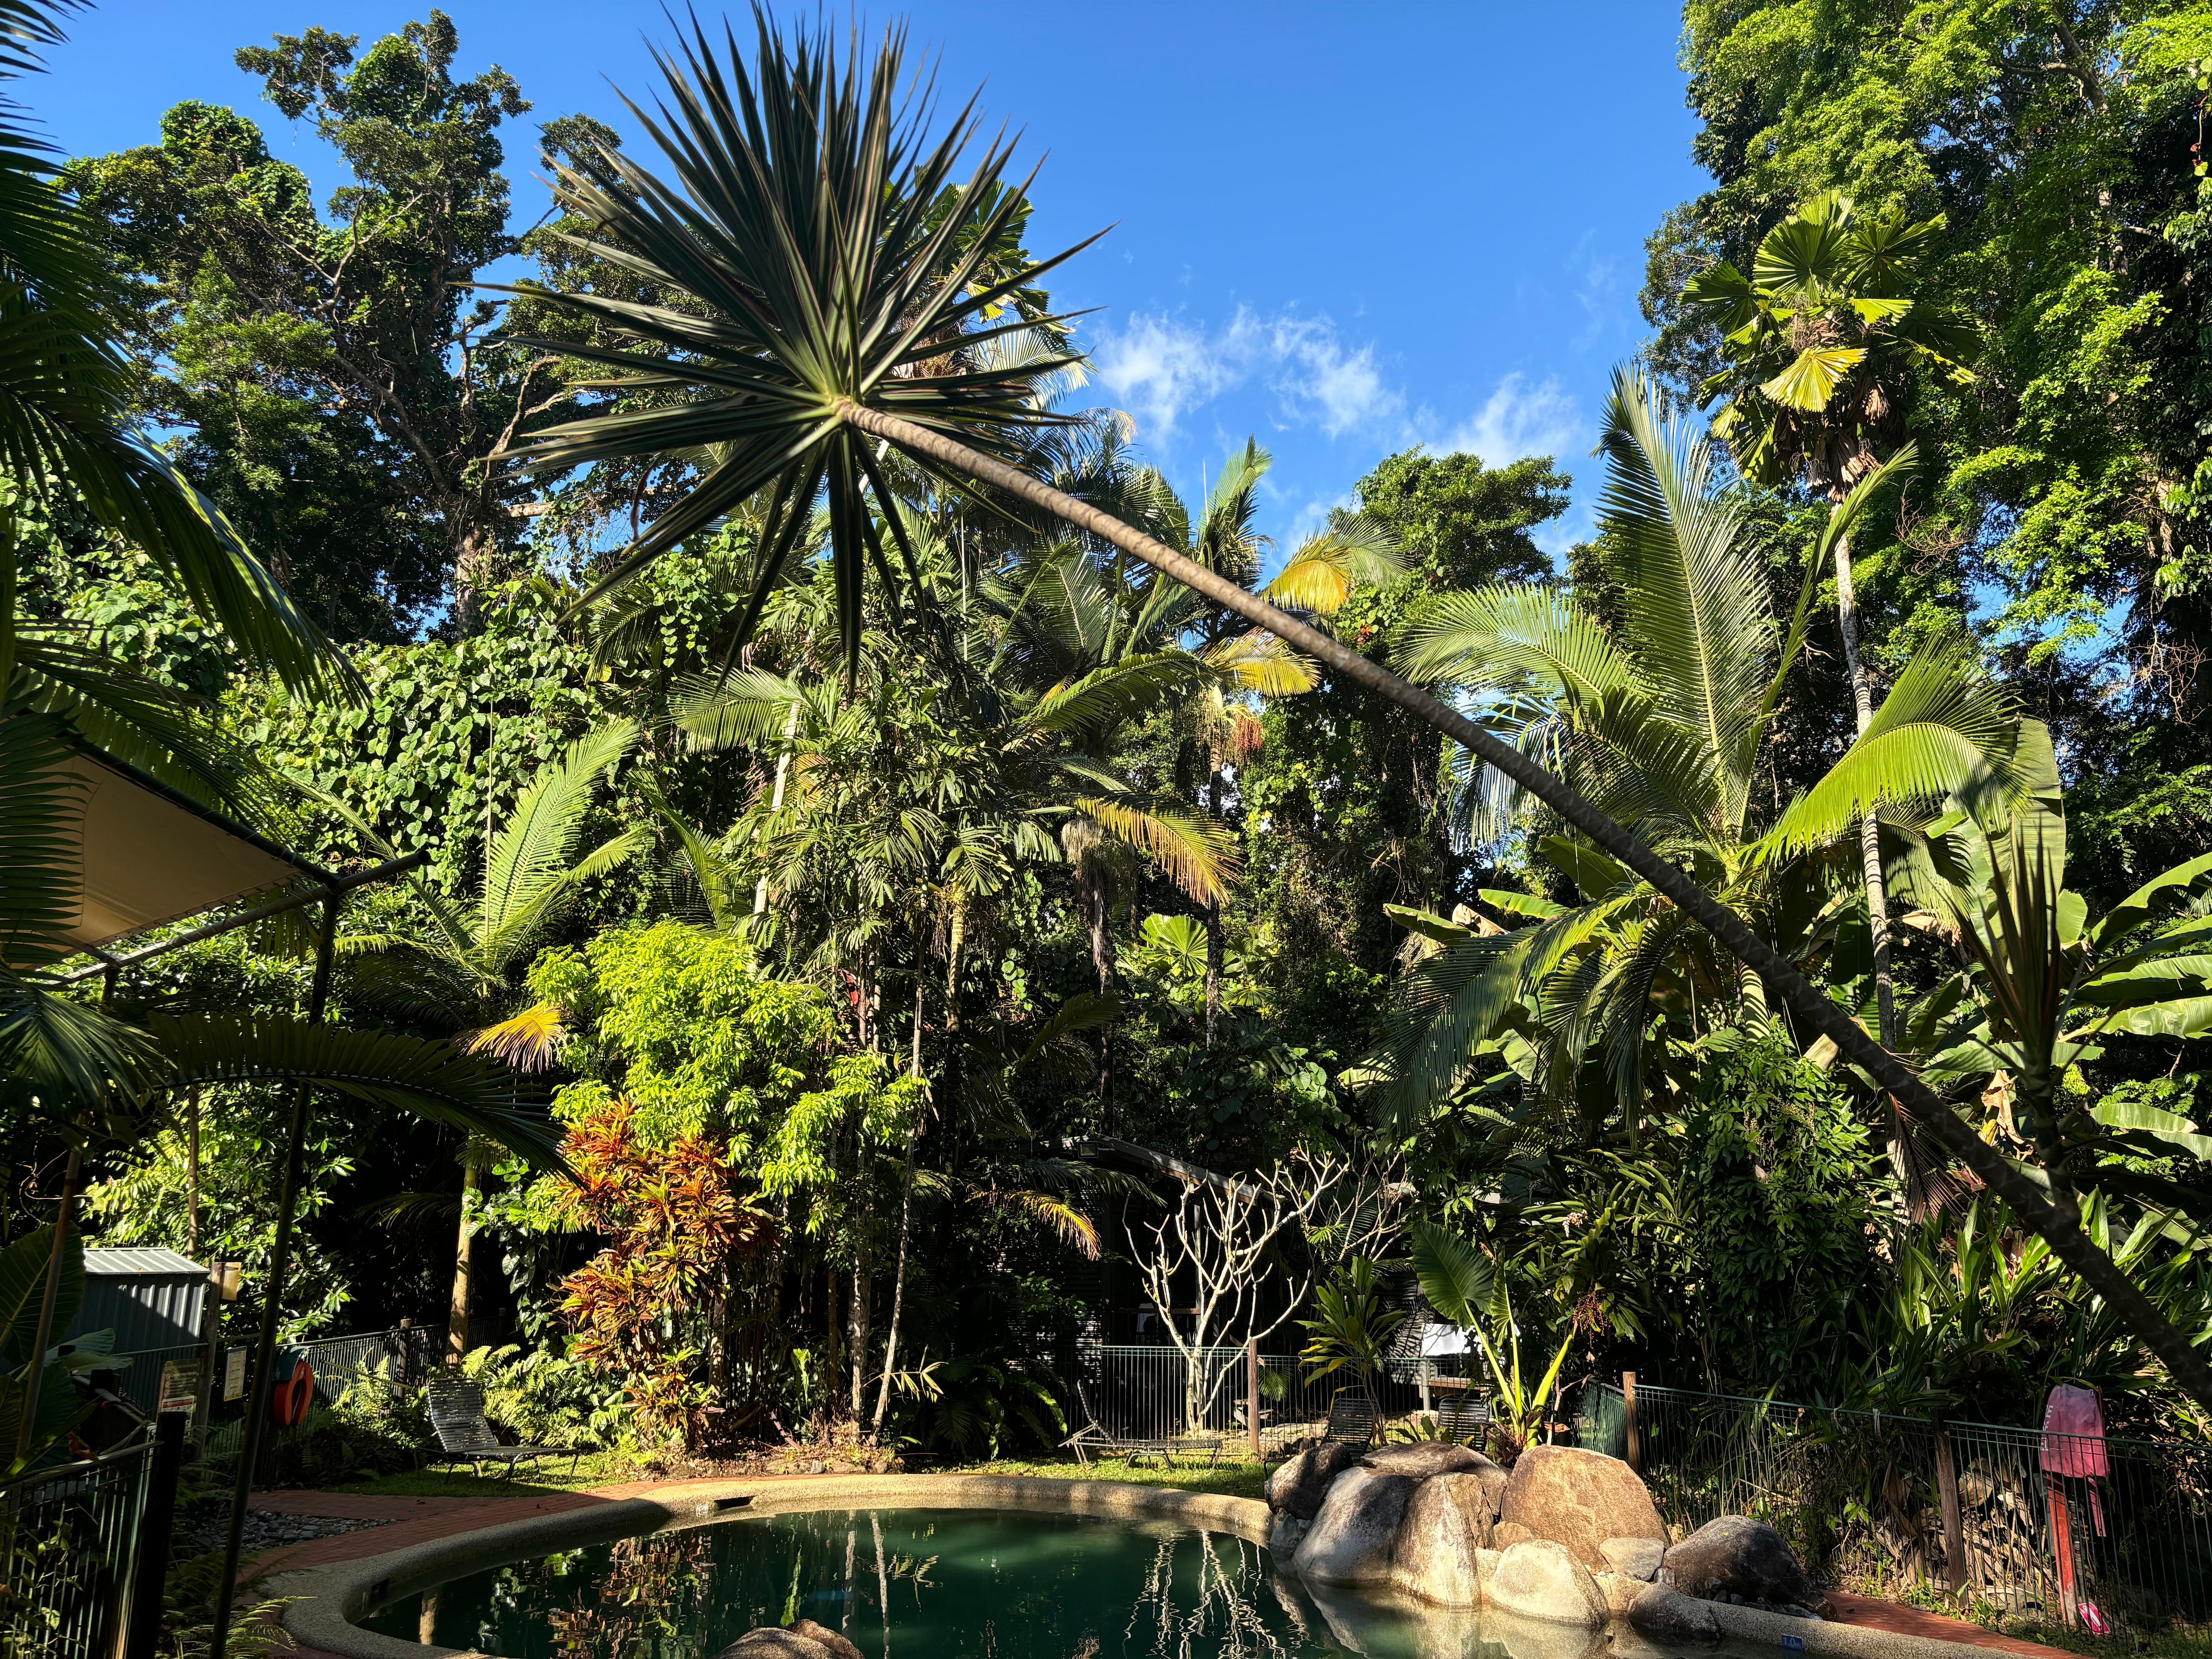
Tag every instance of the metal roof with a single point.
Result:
(140, 1264)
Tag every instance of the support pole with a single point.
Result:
(1635, 1448)
(264, 1351)
(150, 1566)
(1252, 1393)
(72, 1177)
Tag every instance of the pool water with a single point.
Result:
(903, 1584)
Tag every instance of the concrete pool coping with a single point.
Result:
(325, 1601)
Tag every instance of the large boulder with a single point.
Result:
(771, 1643)
(1579, 1498)
(1285, 1532)
(1541, 1579)
(1422, 1459)
(1663, 1615)
(1634, 1557)
(1444, 1530)
(1299, 1486)
(1736, 1555)
(840, 1646)
(1351, 1538)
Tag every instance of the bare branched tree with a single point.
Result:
(1219, 1238)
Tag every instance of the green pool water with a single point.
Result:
(903, 1584)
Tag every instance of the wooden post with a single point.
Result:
(1634, 1447)
(1252, 1393)
(2062, 1547)
(1954, 1527)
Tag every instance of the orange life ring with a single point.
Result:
(289, 1400)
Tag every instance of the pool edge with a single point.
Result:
(326, 1600)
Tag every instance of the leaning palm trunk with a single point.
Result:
(2061, 1230)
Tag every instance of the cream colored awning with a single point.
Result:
(148, 859)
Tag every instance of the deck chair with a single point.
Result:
(1350, 1418)
(1463, 1417)
(1092, 1437)
(457, 1416)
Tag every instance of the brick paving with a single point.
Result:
(419, 1520)
(1869, 1613)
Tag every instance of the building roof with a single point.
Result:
(149, 855)
(140, 1264)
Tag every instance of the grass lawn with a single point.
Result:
(1232, 1479)
(593, 1469)
(612, 1468)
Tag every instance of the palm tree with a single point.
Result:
(462, 971)
(1819, 339)
(1661, 726)
(815, 234)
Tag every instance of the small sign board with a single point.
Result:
(233, 1374)
(180, 1386)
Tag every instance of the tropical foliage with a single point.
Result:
(901, 838)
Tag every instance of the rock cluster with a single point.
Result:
(1566, 1540)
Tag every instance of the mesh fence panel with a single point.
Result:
(65, 1543)
(2091, 1532)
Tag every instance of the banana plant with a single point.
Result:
(2042, 986)
(1463, 1286)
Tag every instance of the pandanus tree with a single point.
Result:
(824, 254)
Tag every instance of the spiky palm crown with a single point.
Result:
(828, 258)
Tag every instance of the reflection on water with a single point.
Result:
(957, 1585)
(918, 1584)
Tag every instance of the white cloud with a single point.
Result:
(1161, 368)
(1519, 419)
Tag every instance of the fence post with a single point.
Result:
(1252, 1392)
(1955, 1528)
(1628, 1412)
(149, 1561)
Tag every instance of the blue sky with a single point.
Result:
(1342, 228)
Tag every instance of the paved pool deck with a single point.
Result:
(427, 1519)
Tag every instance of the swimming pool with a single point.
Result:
(905, 1584)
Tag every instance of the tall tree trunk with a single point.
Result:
(192, 1176)
(1903, 1161)
(1102, 957)
(1213, 938)
(457, 1321)
(2059, 1225)
(775, 800)
(912, 1134)
(1847, 623)
(864, 1272)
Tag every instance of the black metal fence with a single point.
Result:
(2094, 1533)
(338, 1363)
(1157, 1393)
(66, 1541)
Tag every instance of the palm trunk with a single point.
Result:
(775, 800)
(914, 1134)
(456, 1319)
(2059, 1228)
(1847, 624)
(1213, 939)
(864, 1272)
